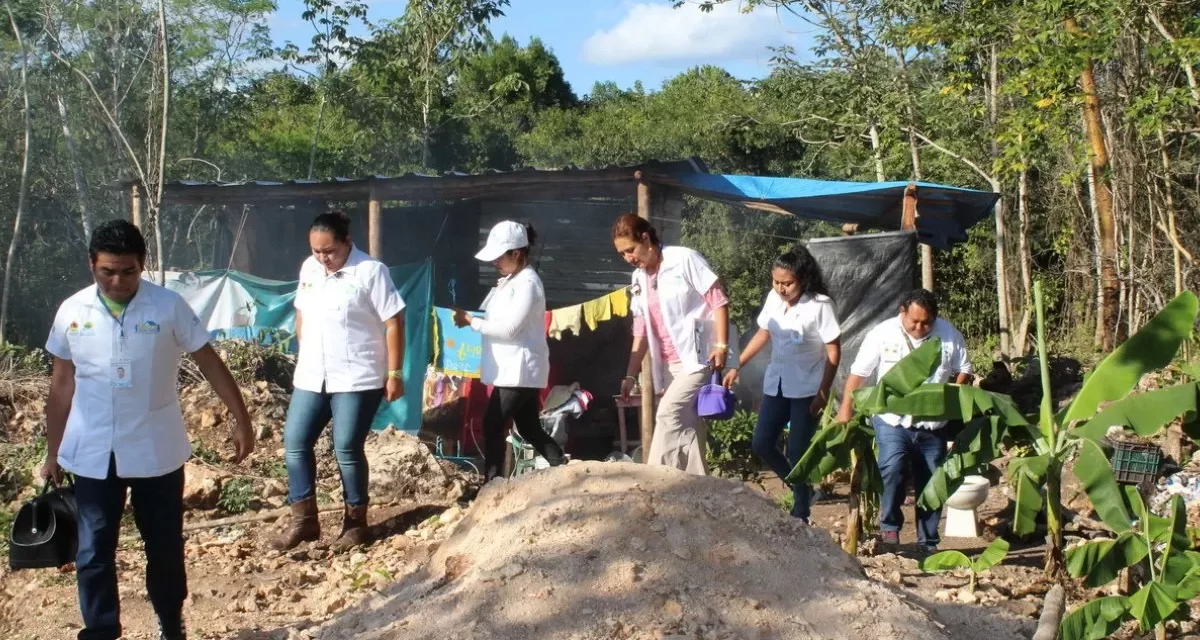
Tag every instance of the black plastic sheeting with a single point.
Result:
(867, 275)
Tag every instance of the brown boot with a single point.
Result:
(304, 526)
(354, 529)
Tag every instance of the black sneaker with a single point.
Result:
(178, 633)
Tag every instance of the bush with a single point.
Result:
(729, 452)
(237, 495)
(20, 361)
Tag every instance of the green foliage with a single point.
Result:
(729, 452)
(18, 360)
(952, 560)
(266, 359)
(237, 495)
(1161, 546)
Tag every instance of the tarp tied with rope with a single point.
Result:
(944, 213)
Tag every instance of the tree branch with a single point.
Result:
(957, 156)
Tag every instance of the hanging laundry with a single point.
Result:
(597, 311)
(566, 319)
(620, 302)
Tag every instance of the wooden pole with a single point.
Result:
(135, 205)
(909, 221)
(375, 224)
(647, 382)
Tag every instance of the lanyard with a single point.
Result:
(120, 320)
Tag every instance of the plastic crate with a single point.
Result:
(1134, 463)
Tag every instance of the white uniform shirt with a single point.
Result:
(798, 337)
(885, 345)
(344, 343)
(683, 278)
(140, 424)
(515, 352)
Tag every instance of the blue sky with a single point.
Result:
(619, 40)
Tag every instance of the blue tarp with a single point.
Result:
(238, 305)
(944, 213)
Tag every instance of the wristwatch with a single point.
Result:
(396, 374)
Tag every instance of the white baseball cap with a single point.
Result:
(504, 237)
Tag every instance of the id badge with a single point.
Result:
(120, 373)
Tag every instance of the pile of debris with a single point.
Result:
(597, 550)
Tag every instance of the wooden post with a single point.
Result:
(909, 221)
(647, 379)
(135, 205)
(375, 225)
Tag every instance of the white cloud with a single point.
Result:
(657, 32)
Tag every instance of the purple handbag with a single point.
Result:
(714, 401)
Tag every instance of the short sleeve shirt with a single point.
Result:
(799, 334)
(886, 344)
(126, 403)
(344, 343)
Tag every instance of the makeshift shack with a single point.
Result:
(442, 220)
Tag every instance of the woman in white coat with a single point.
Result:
(681, 317)
(516, 358)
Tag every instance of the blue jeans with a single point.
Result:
(308, 413)
(924, 450)
(158, 513)
(773, 416)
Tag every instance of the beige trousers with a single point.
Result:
(679, 433)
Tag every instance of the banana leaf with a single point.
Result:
(1177, 542)
(828, 451)
(954, 402)
(991, 556)
(1095, 472)
(1028, 503)
(1101, 561)
(902, 379)
(945, 561)
(1154, 603)
(1146, 413)
(978, 444)
(1095, 620)
(1151, 348)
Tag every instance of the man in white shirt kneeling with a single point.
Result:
(901, 440)
(113, 420)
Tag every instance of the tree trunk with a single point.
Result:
(1106, 322)
(162, 142)
(23, 189)
(877, 153)
(312, 152)
(915, 152)
(854, 518)
(1170, 202)
(85, 212)
(1003, 308)
(1021, 341)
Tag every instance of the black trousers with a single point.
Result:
(522, 406)
(158, 513)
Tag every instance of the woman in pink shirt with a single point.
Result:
(681, 317)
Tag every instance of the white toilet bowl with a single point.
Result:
(961, 520)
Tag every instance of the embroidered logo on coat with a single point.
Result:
(148, 326)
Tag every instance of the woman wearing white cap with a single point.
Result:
(516, 358)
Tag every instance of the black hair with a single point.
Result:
(336, 222)
(118, 237)
(804, 266)
(922, 298)
(532, 236)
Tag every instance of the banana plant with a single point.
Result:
(903, 391)
(955, 560)
(1161, 546)
(1104, 401)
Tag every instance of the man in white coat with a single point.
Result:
(113, 420)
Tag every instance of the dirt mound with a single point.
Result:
(611, 550)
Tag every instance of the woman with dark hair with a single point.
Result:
(681, 317)
(350, 324)
(799, 322)
(516, 358)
